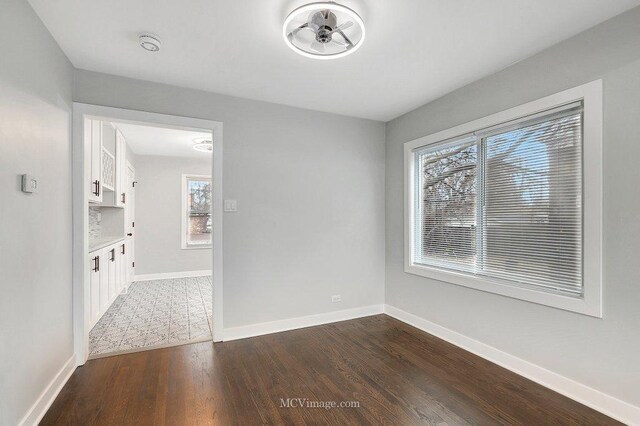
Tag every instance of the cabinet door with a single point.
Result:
(104, 281)
(112, 256)
(122, 280)
(121, 170)
(93, 143)
(94, 287)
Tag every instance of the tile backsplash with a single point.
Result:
(94, 222)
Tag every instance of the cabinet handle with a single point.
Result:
(96, 191)
(96, 261)
(113, 255)
(123, 249)
(123, 197)
(99, 187)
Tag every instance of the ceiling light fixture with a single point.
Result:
(203, 145)
(323, 30)
(150, 42)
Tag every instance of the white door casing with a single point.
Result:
(82, 263)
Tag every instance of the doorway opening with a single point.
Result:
(147, 231)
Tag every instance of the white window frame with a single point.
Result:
(590, 303)
(183, 215)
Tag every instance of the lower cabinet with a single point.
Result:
(94, 291)
(104, 281)
(122, 267)
(107, 278)
(113, 275)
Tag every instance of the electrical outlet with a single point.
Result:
(336, 298)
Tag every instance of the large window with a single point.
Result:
(507, 204)
(196, 212)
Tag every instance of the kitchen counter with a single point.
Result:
(98, 243)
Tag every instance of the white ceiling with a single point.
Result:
(415, 50)
(150, 140)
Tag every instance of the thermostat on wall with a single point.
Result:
(29, 184)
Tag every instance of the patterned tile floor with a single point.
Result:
(155, 314)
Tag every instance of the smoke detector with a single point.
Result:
(323, 30)
(150, 42)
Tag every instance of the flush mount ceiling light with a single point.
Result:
(150, 42)
(323, 30)
(203, 145)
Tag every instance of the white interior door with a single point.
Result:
(130, 218)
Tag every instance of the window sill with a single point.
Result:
(585, 305)
(197, 247)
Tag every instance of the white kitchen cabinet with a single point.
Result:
(113, 258)
(106, 159)
(94, 287)
(93, 147)
(122, 267)
(120, 170)
(107, 278)
(104, 281)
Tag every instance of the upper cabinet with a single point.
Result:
(121, 168)
(93, 150)
(106, 152)
(108, 158)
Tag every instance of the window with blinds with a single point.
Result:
(505, 203)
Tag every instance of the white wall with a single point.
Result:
(310, 191)
(35, 230)
(158, 215)
(601, 353)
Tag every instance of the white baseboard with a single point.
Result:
(259, 329)
(170, 275)
(46, 398)
(590, 397)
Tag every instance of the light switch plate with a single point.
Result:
(29, 184)
(230, 205)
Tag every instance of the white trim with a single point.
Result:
(591, 302)
(606, 404)
(183, 213)
(218, 246)
(171, 275)
(49, 394)
(260, 329)
(81, 323)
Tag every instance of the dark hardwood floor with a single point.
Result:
(396, 373)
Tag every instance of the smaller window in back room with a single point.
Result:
(196, 212)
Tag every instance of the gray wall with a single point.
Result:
(158, 215)
(310, 191)
(601, 353)
(35, 230)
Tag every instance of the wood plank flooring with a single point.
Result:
(394, 372)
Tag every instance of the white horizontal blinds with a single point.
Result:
(532, 215)
(445, 208)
